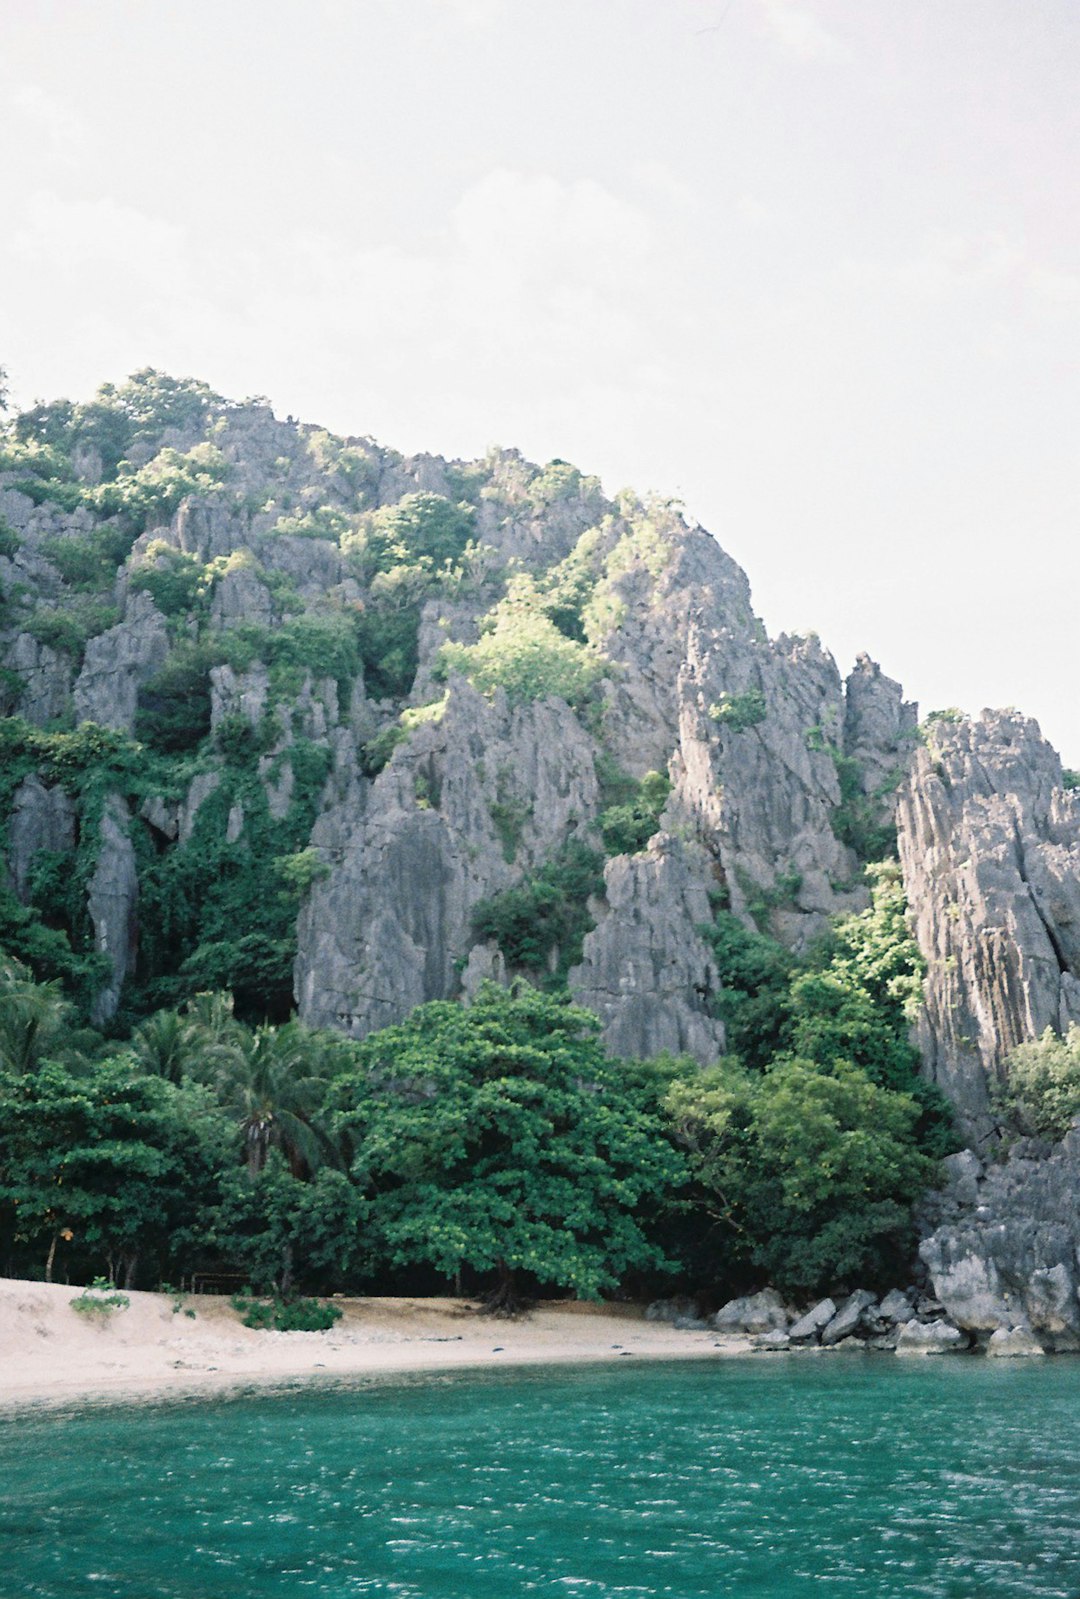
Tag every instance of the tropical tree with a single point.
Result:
(276, 1227)
(202, 1040)
(273, 1084)
(36, 1021)
(499, 1137)
(809, 1176)
(116, 1165)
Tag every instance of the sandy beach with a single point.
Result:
(50, 1354)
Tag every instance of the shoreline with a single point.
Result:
(155, 1350)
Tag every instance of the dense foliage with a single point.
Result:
(501, 1138)
(288, 603)
(495, 1141)
(1039, 1094)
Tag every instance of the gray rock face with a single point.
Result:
(990, 848)
(41, 818)
(755, 1313)
(1013, 1343)
(896, 1307)
(762, 796)
(931, 1338)
(848, 1317)
(645, 972)
(240, 596)
(117, 663)
(1010, 1256)
(46, 676)
(111, 901)
(808, 1328)
(243, 694)
(879, 726)
(412, 853)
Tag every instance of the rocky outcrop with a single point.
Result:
(117, 664)
(111, 902)
(755, 778)
(1004, 1243)
(413, 852)
(880, 728)
(990, 846)
(931, 1338)
(762, 1312)
(45, 676)
(644, 970)
(41, 819)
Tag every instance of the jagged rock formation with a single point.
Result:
(200, 575)
(298, 777)
(990, 845)
(644, 971)
(1004, 1247)
(412, 852)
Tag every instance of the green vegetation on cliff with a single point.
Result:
(216, 631)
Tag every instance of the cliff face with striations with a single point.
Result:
(298, 715)
(989, 840)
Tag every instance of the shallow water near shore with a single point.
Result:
(768, 1476)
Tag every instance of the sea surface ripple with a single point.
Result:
(777, 1476)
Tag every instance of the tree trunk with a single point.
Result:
(502, 1299)
(130, 1262)
(51, 1257)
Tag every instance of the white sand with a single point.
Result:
(50, 1353)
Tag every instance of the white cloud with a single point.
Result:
(959, 265)
(73, 236)
(43, 117)
(800, 31)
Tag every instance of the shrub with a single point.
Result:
(387, 638)
(173, 708)
(149, 496)
(627, 828)
(9, 539)
(89, 561)
(100, 1299)
(737, 712)
(528, 658)
(419, 528)
(1040, 1095)
(378, 750)
(285, 1315)
(539, 925)
(174, 580)
(70, 629)
(324, 522)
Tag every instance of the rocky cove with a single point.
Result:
(323, 644)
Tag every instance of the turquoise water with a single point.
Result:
(843, 1475)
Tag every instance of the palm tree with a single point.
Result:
(35, 1019)
(275, 1086)
(200, 1041)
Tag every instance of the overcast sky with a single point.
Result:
(812, 266)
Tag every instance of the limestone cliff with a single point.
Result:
(989, 840)
(295, 777)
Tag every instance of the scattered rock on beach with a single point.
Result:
(776, 1339)
(930, 1338)
(1013, 1342)
(807, 1328)
(754, 1313)
(680, 1308)
(848, 1317)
